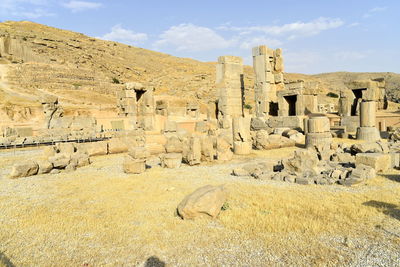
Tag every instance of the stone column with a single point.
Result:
(230, 86)
(268, 70)
(318, 133)
(147, 109)
(367, 130)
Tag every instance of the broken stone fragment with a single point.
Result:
(205, 201)
(24, 169)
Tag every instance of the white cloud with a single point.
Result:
(78, 6)
(33, 14)
(350, 55)
(354, 24)
(256, 41)
(291, 30)
(374, 10)
(119, 34)
(29, 9)
(189, 37)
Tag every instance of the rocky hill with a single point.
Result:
(85, 72)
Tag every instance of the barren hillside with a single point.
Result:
(85, 72)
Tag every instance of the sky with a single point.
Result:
(316, 36)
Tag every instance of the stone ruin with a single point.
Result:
(287, 113)
(136, 102)
(268, 69)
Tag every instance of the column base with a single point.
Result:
(370, 134)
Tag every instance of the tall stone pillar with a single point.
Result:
(147, 109)
(230, 86)
(367, 130)
(268, 69)
(127, 105)
(344, 105)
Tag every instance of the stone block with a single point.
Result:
(171, 160)
(380, 162)
(117, 145)
(138, 153)
(134, 166)
(242, 148)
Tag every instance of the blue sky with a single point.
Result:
(316, 36)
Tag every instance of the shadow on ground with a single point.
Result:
(393, 177)
(387, 208)
(154, 262)
(4, 261)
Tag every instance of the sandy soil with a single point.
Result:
(99, 216)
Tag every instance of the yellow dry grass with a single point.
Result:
(100, 216)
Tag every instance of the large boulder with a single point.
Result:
(24, 169)
(205, 201)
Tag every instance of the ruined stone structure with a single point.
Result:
(268, 69)
(137, 103)
(367, 130)
(230, 87)
(298, 99)
(367, 90)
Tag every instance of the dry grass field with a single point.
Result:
(99, 216)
